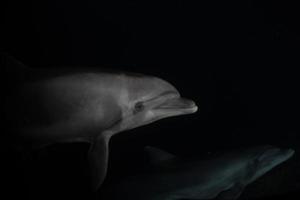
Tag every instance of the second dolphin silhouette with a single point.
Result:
(223, 177)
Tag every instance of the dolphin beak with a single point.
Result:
(177, 106)
(289, 152)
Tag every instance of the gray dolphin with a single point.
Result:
(223, 176)
(86, 105)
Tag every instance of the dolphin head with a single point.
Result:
(265, 158)
(148, 99)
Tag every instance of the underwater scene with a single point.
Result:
(150, 100)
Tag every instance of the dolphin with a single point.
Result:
(222, 177)
(47, 106)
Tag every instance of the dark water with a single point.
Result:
(236, 60)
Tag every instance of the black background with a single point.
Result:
(237, 60)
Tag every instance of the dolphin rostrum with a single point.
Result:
(51, 106)
(222, 177)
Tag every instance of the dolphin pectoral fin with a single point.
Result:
(232, 193)
(98, 160)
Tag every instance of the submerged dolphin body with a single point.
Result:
(51, 106)
(223, 177)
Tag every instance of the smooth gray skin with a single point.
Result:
(87, 106)
(223, 177)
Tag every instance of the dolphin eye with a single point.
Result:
(139, 106)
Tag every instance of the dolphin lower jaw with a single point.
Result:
(176, 106)
(272, 157)
(163, 113)
(289, 153)
(284, 155)
(277, 154)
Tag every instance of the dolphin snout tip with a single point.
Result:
(290, 152)
(195, 109)
(191, 104)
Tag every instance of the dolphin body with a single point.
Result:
(222, 177)
(45, 106)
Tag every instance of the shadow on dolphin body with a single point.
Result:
(222, 177)
(47, 106)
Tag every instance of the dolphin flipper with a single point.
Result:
(232, 193)
(98, 160)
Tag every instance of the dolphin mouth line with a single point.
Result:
(178, 103)
(284, 154)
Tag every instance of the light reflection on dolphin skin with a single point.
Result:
(222, 177)
(88, 106)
